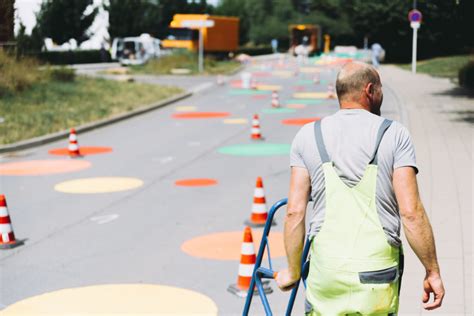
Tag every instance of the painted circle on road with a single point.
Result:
(84, 151)
(236, 121)
(226, 245)
(185, 108)
(200, 115)
(295, 106)
(300, 121)
(256, 149)
(98, 185)
(198, 182)
(115, 299)
(42, 167)
(278, 110)
(259, 97)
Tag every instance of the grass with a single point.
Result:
(49, 106)
(447, 67)
(165, 64)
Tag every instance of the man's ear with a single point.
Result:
(369, 88)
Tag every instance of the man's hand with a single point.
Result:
(285, 280)
(433, 284)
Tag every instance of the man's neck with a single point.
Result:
(350, 105)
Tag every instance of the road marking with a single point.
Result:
(300, 121)
(184, 108)
(116, 299)
(311, 95)
(42, 167)
(236, 121)
(104, 219)
(85, 151)
(98, 185)
(200, 115)
(198, 182)
(227, 245)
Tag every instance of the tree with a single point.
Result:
(6, 20)
(62, 20)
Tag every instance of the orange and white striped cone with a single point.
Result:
(253, 84)
(259, 214)
(246, 267)
(7, 237)
(256, 134)
(275, 100)
(331, 92)
(316, 78)
(73, 147)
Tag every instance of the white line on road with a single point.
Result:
(104, 219)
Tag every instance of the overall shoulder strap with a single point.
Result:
(383, 128)
(320, 142)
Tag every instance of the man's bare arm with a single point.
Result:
(418, 231)
(294, 231)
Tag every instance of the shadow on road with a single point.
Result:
(457, 92)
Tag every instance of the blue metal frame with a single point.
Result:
(260, 273)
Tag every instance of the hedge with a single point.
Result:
(73, 57)
(466, 75)
(254, 51)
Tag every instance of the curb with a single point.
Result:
(41, 140)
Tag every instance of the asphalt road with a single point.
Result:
(136, 236)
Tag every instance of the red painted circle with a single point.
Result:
(85, 151)
(42, 167)
(200, 182)
(296, 106)
(260, 96)
(300, 121)
(200, 115)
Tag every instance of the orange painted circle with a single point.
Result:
(200, 115)
(202, 182)
(227, 245)
(42, 167)
(296, 106)
(85, 151)
(259, 96)
(300, 121)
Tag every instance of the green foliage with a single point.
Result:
(466, 75)
(17, 75)
(62, 20)
(255, 50)
(134, 17)
(28, 44)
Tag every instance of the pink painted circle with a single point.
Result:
(42, 167)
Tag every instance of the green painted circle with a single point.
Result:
(248, 92)
(278, 110)
(256, 150)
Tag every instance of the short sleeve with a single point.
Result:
(296, 153)
(405, 151)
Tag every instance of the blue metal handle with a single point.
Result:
(265, 273)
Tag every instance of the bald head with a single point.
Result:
(353, 78)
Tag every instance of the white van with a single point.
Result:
(135, 50)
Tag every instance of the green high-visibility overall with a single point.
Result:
(353, 268)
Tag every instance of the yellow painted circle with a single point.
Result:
(116, 299)
(98, 185)
(185, 108)
(236, 121)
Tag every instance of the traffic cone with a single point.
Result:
(246, 267)
(256, 134)
(316, 78)
(7, 237)
(73, 147)
(275, 100)
(253, 84)
(259, 214)
(331, 92)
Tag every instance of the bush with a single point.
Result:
(17, 75)
(254, 51)
(63, 74)
(466, 75)
(73, 57)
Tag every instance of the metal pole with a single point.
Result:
(413, 55)
(201, 51)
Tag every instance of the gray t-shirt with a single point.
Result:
(349, 136)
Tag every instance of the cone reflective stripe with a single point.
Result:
(7, 237)
(73, 146)
(247, 261)
(256, 134)
(275, 101)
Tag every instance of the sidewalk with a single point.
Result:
(441, 123)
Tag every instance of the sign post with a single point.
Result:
(414, 16)
(200, 24)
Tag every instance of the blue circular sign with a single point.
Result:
(414, 16)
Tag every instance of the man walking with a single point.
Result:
(360, 172)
